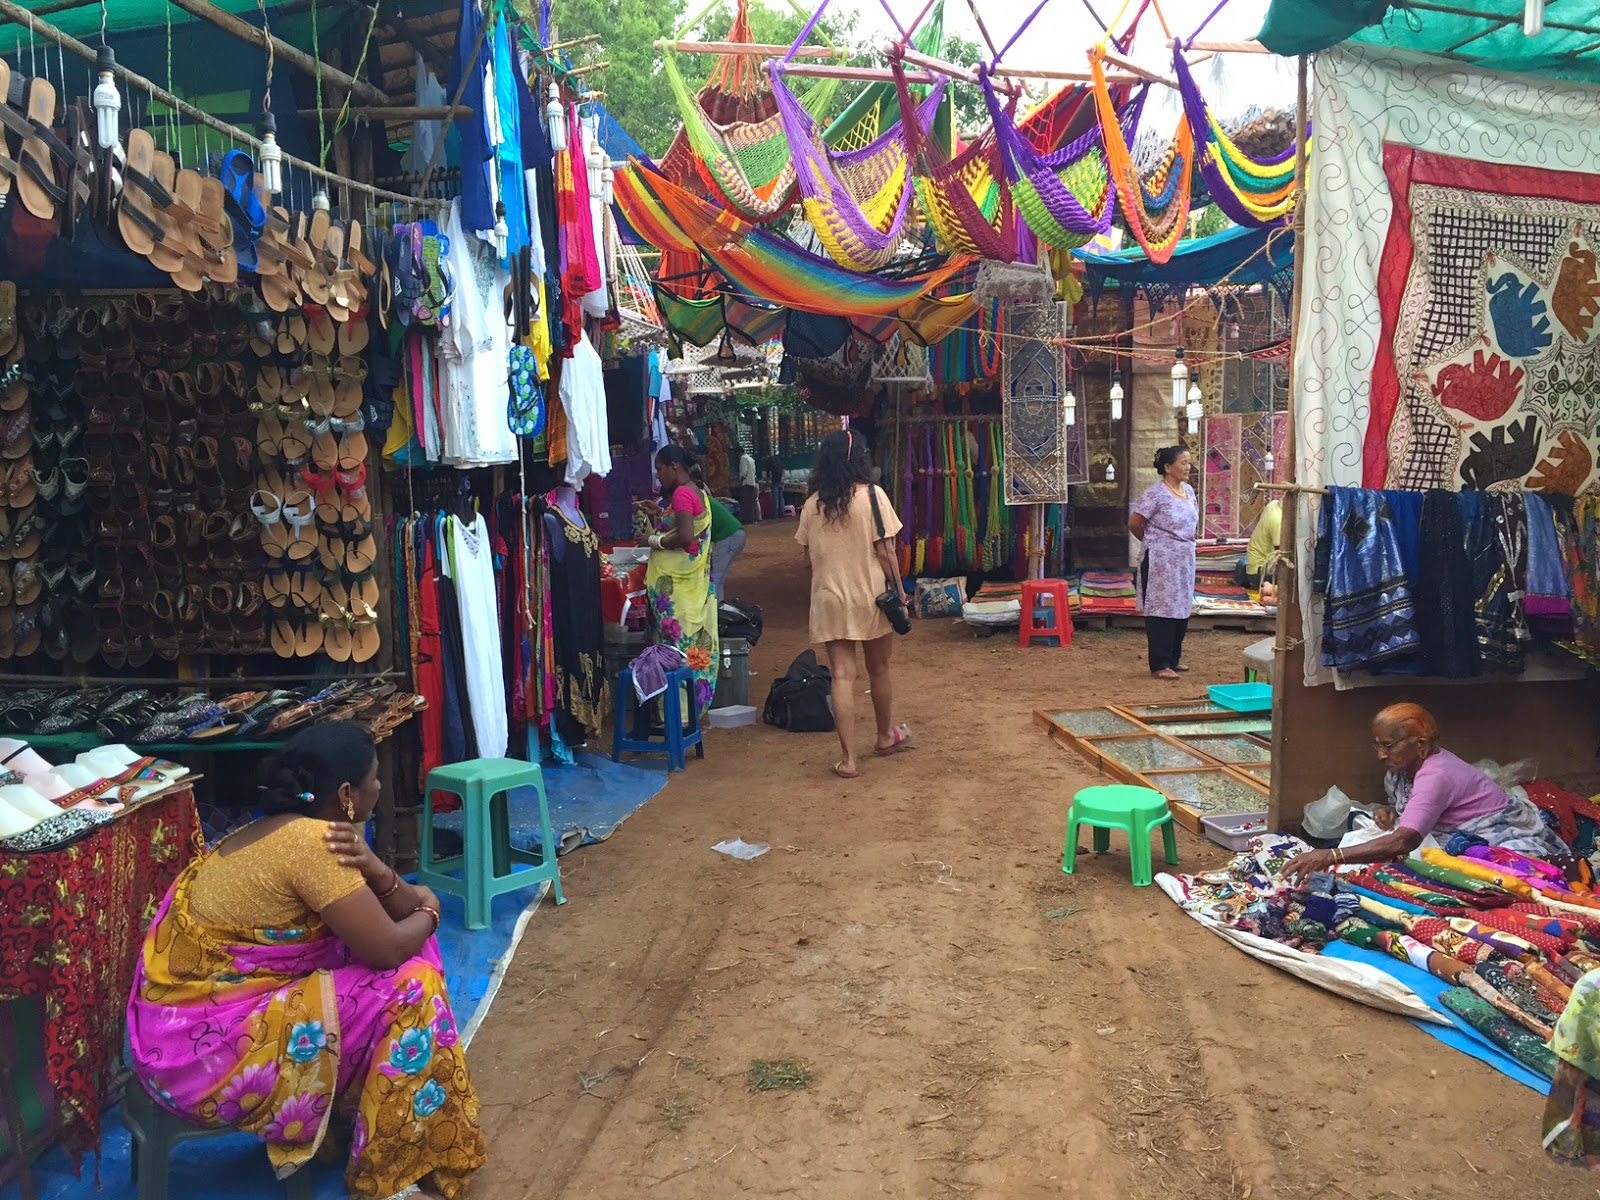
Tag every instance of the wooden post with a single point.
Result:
(298, 59)
(1288, 656)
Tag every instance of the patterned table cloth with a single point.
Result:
(71, 925)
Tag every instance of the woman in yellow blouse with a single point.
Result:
(291, 984)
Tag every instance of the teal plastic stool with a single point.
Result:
(1137, 811)
(487, 858)
(156, 1132)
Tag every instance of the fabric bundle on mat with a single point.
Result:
(1370, 616)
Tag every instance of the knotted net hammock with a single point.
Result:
(1156, 212)
(1250, 191)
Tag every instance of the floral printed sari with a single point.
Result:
(683, 606)
(273, 1031)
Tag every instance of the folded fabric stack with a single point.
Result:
(1216, 595)
(1106, 591)
(1216, 557)
(996, 603)
(1508, 932)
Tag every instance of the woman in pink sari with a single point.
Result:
(292, 982)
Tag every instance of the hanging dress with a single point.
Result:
(683, 608)
(578, 629)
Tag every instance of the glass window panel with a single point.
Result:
(1147, 754)
(1094, 722)
(1210, 792)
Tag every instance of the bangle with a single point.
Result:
(1338, 857)
(432, 912)
(393, 887)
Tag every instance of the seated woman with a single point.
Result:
(291, 979)
(1432, 791)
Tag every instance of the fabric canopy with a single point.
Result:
(1492, 38)
(1234, 256)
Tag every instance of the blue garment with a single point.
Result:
(477, 155)
(513, 188)
(1369, 617)
(1547, 572)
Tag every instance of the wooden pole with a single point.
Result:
(18, 15)
(298, 59)
(1134, 68)
(864, 74)
(1066, 76)
(748, 49)
(434, 56)
(1250, 47)
(1288, 655)
(396, 112)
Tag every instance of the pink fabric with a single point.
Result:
(687, 500)
(1451, 791)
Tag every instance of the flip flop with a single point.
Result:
(37, 182)
(902, 741)
(838, 769)
(9, 168)
(237, 175)
(168, 251)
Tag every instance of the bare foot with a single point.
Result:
(1166, 673)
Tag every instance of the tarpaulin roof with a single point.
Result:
(1236, 257)
(1489, 36)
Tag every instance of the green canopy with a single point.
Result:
(1491, 38)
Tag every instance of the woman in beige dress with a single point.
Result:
(851, 557)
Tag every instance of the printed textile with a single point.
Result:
(1450, 299)
(58, 940)
(1571, 1127)
(1371, 618)
(1527, 1048)
(1036, 455)
(683, 605)
(276, 1031)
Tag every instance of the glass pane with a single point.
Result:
(1210, 792)
(1261, 724)
(1231, 749)
(1093, 722)
(1188, 708)
(1147, 753)
(1262, 772)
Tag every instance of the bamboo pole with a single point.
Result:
(863, 74)
(296, 58)
(1065, 76)
(1127, 64)
(574, 72)
(749, 49)
(19, 15)
(1250, 47)
(396, 112)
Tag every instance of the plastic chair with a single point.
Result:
(680, 730)
(1137, 811)
(1048, 623)
(156, 1131)
(487, 857)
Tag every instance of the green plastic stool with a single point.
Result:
(155, 1133)
(484, 784)
(1135, 810)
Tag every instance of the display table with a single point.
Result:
(71, 925)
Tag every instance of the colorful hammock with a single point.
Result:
(857, 200)
(758, 262)
(1251, 192)
(1156, 213)
(1065, 196)
(754, 324)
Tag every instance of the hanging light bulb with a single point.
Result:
(320, 202)
(502, 231)
(107, 101)
(597, 164)
(1194, 392)
(1196, 409)
(1267, 463)
(1111, 471)
(1532, 18)
(1072, 407)
(607, 185)
(1116, 395)
(557, 116)
(1180, 379)
(269, 158)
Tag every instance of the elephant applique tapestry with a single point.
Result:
(1490, 297)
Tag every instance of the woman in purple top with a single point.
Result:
(1165, 519)
(1432, 791)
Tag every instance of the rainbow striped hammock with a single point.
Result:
(857, 200)
(1251, 192)
(1157, 212)
(1064, 196)
(747, 161)
(757, 261)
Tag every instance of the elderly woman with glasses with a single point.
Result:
(1430, 790)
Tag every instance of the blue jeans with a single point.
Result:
(722, 555)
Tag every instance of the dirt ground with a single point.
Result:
(975, 1023)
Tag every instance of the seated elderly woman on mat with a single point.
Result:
(1432, 791)
(291, 981)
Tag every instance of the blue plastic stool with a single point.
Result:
(681, 730)
(487, 857)
(1137, 811)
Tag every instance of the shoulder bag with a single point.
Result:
(892, 602)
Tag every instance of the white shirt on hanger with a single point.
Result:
(476, 351)
(583, 395)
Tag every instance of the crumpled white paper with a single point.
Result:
(741, 849)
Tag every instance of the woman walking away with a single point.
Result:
(683, 608)
(1165, 520)
(847, 529)
(291, 987)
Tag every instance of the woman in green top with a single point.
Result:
(727, 543)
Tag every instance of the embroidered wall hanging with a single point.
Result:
(1037, 448)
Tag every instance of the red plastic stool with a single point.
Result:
(1054, 626)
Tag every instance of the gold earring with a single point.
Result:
(349, 810)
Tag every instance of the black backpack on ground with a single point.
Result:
(737, 619)
(801, 701)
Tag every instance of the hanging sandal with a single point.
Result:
(41, 149)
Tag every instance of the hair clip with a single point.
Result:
(306, 797)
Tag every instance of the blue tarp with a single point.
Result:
(1236, 256)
